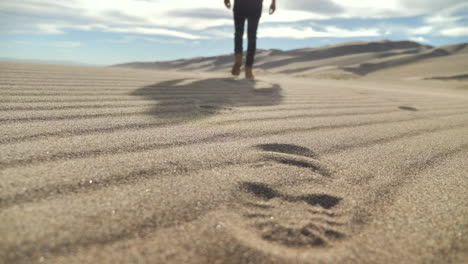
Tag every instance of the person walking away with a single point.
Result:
(250, 10)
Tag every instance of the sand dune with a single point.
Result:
(344, 61)
(117, 165)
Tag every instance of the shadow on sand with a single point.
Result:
(187, 99)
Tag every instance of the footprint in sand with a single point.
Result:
(408, 108)
(294, 155)
(291, 220)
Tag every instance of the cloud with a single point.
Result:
(315, 6)
(66, 44)
(419, 39)
(57, 44)
(49, 29)
(421, 30)
(216, 33)
(202, 19)
(429, 5)
(455, 32)
(44, 7)
(122, 17)
(61, 28)
(309, 32)
(399, 29)
(449, 22)
(153, 31)
(200, 13)
(133, 38)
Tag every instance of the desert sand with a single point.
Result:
(363, 160)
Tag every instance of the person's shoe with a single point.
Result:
(249, 74)
(236, 68)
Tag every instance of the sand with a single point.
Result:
(115, 165)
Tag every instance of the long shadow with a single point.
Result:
(186, 99)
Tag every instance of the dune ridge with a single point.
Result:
(343, 61)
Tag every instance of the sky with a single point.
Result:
(105, 32)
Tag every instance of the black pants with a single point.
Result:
(252, 15)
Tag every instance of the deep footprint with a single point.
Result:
(291, 220)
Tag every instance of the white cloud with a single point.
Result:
(133, 38)
(440, 19)
(57, 44)
(398, 8)
(427, 6)
(449, 21)
(455, 32)
(61, 28)
(195, 15)
(153, 31)
(195, 19)
(391, 29)
(66, 44)
(421, 30)
(49, 29)
(309, 32)
(315, 6)
(419, 39)
(220, 33)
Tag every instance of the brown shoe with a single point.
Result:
(249, 74)
(237, 64)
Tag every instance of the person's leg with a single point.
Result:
(252, 46)
(239, 22)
